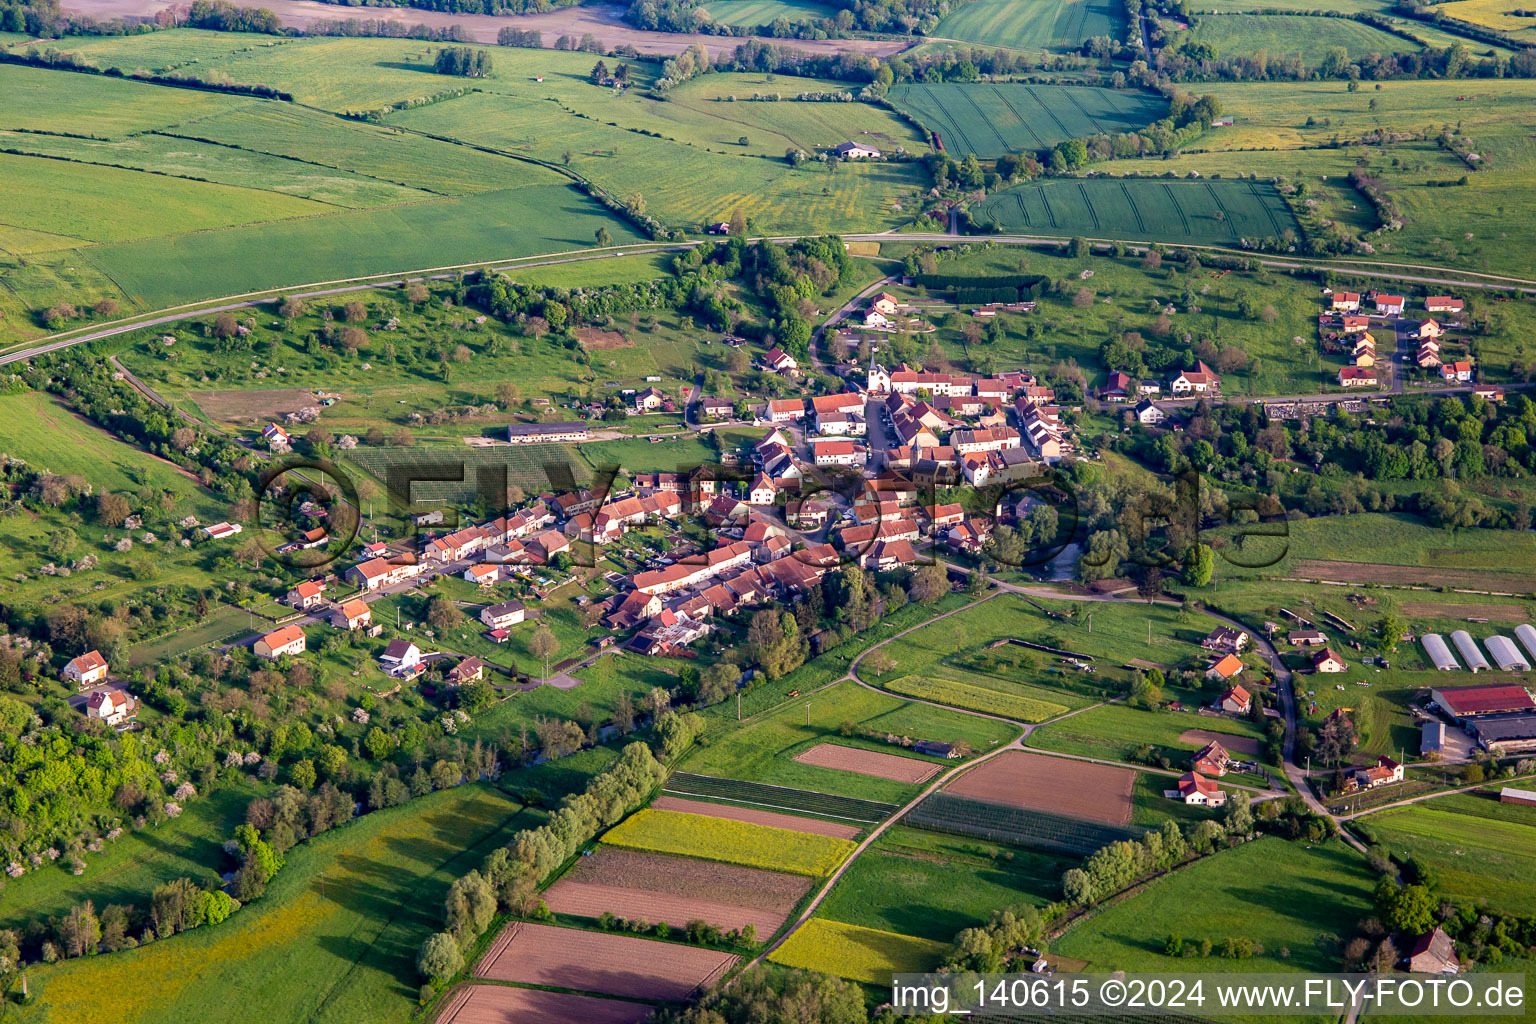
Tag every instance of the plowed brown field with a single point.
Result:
(498, 1004)
(868, 762)
(1060, 785)
(793, 822)
(618, 965)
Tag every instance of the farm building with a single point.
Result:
(1439, 653)
(1511, 795)
(1505, 734)
(854, 151)
(1306, 638)
(1470, 652)
(1527, 637)
(1506, 655)
(1432, 953)
(542, 433)
(1462, 702)
(1432, 738)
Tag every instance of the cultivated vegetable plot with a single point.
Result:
(990, 119)
(536, 954)
(955, 815)
(733, 842)
(1217, 212)
(975, 698)
(1046, 24)
(779, 797)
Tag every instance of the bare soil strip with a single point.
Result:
(1414, 576)
(869, 762)
(793, 822)
(1491, 612)
(619, 965)
(498, 1004)
(1060, 785)
(1232, 744)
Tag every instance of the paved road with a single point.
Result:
(848, 309)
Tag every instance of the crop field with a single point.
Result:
(752, 13)
(1285, 894)
(1476, 858)
(108, 204)
(1052, 25)
(1017, 826)
(655, 887)
(330, 941)
(732, 842)
(520, 221)
(618, 965)
(1037, 782)
(1282, 35)
(764, 749)
(779, 798)
(42, 100)
(795, 823)
(975, 698)
(176, 50)
(931, 885)
(996, 118)
(869, 762)
(496, 1004)
(857, 953)
(1495, 14)
(1214, 212)
(405, 158)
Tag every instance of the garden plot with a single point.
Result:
(869, 762)
(753, 816)
(1059, 785)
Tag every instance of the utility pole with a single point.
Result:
(738, 705)
(807, 713)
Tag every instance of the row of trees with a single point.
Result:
(510, 876)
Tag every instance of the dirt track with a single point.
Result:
(603, 21)
(869, 762)
(773, 819)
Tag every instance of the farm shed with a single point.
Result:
(1470, 652)
(1434, 646)
(1511, 795)
(1432, 738)
(1506, 655)
(1527, 637)
(1463, 702)
(1505, 734)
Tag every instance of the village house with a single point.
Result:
(88, 669)
(354, 614)
(500, 616)
(379, 572)
(277, 438)
(1460, 370)
(1355, 324)
(1442, 304)
(482, 574)
(1211, 759)
(648, 400)
(401, 657)
(1224, 668)
(1433, 952)
(288, 640)
(1357, 377)
(1306, 638)
(1225, 640)
(306, 595)
(1236, 700)
(114, 707)
(885, 303)
(221, 531)
(839, 453)
(469, 670)
(1148, 414)
(1427, 329)
(1328, 660)
(1116, 388)
(1384, 772)
(783, 410)
(1349, 301)
(1428, 356)
(1389, 305)
(712, 408)
(1197, 790)
(1202, 380)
